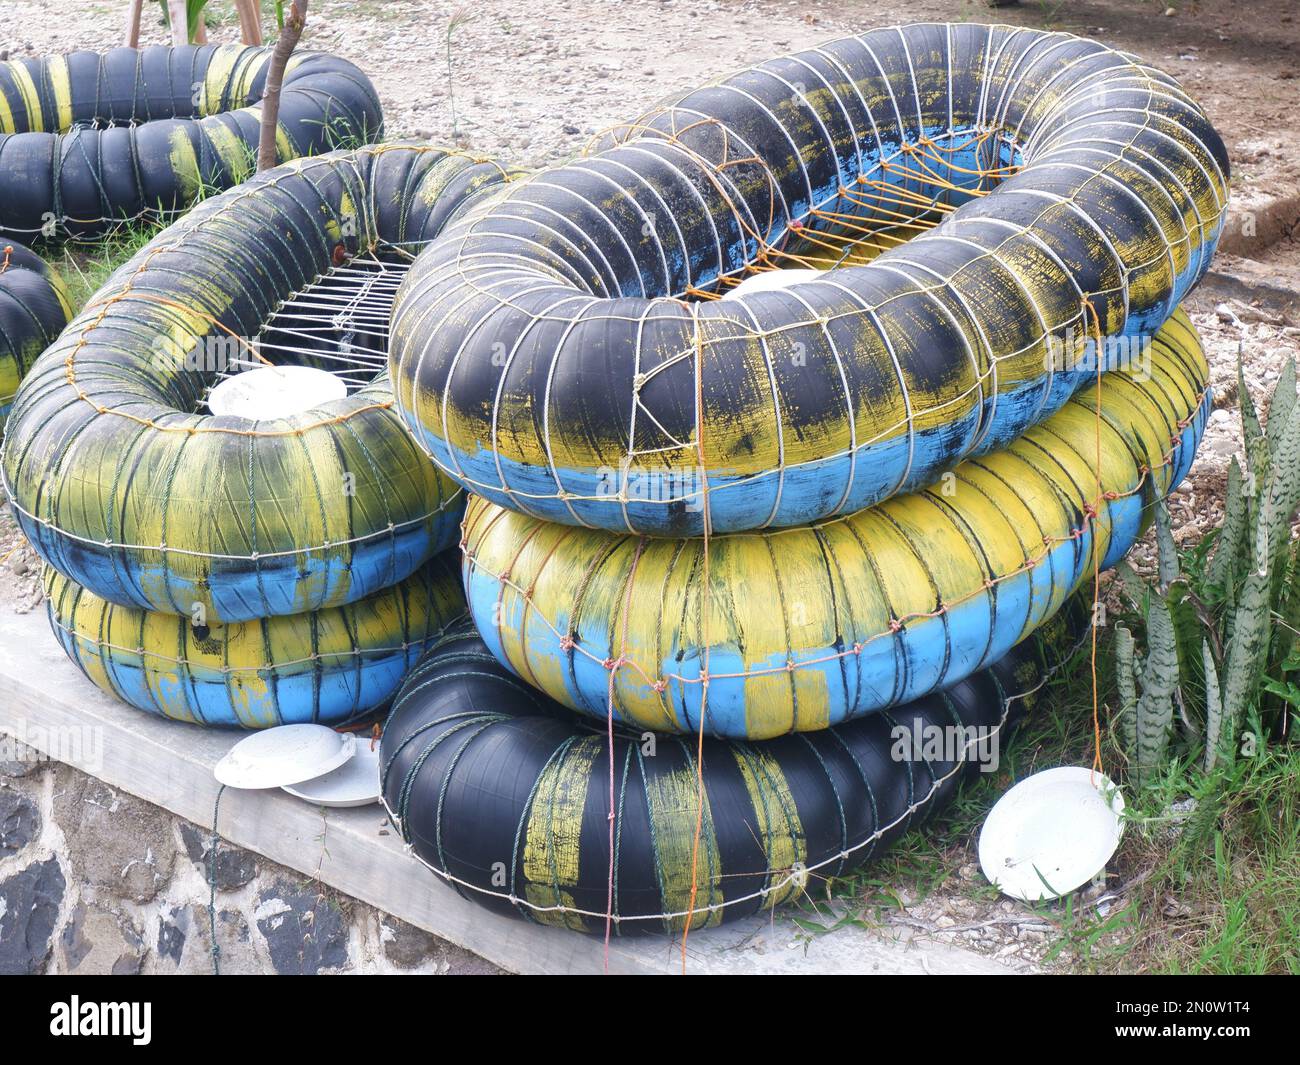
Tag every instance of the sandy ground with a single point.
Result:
(532, 83)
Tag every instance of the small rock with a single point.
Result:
(404, 945)
(304, 931)
(20, 822)
(29, 909)
(235, 867)
(185, 942)
(101, 942)
(17, 759)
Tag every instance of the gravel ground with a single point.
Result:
(533, 83)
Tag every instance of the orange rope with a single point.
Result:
(1096, 550)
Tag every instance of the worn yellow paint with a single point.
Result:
(185, 163)
(674, 805)
(231, 149)
(552, 840)
(21, 78)
(60, 80)
(776, 821)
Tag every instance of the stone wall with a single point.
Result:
(95, 881)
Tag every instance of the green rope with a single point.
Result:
(212, 883)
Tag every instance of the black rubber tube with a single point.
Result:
(88, 140)
(506, 796)
(34, 308)
(558, 355)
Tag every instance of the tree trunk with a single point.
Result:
(289, 36)
(180, 21)
(250, 21)
(133, 24)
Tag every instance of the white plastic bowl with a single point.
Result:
(1052, 833)
(288, 754)
(354, 783)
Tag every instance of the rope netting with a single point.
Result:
(879, 214)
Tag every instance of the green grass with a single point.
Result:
(86, 267)
(1218, 892)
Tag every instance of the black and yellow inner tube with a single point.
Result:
(515, 803)
(565, 354)
(89, 140)
(34, 308)
(124, 485)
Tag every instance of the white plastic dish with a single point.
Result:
(354, 783)
(288, 754)
(275, 392)
(1052, 833)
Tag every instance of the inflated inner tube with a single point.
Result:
(798, 629)
(326, 667)
(89, 140)
(124, 487)
(507, 797)
(34, 308)
(560, 354)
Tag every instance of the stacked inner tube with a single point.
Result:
(507, 797)
(797, 629)
(560, 355)
(34, 308)
(757, 520)
(222, 569)
(89, 140)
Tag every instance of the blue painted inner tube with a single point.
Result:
(328, 667)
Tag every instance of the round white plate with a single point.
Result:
(354, 783)
(1060, 826)
(275, 392)
(288, 754)
(771, 279)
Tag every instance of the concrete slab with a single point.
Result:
(47, 703)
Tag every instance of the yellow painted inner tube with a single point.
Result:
(324, 667)
(802, 628)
